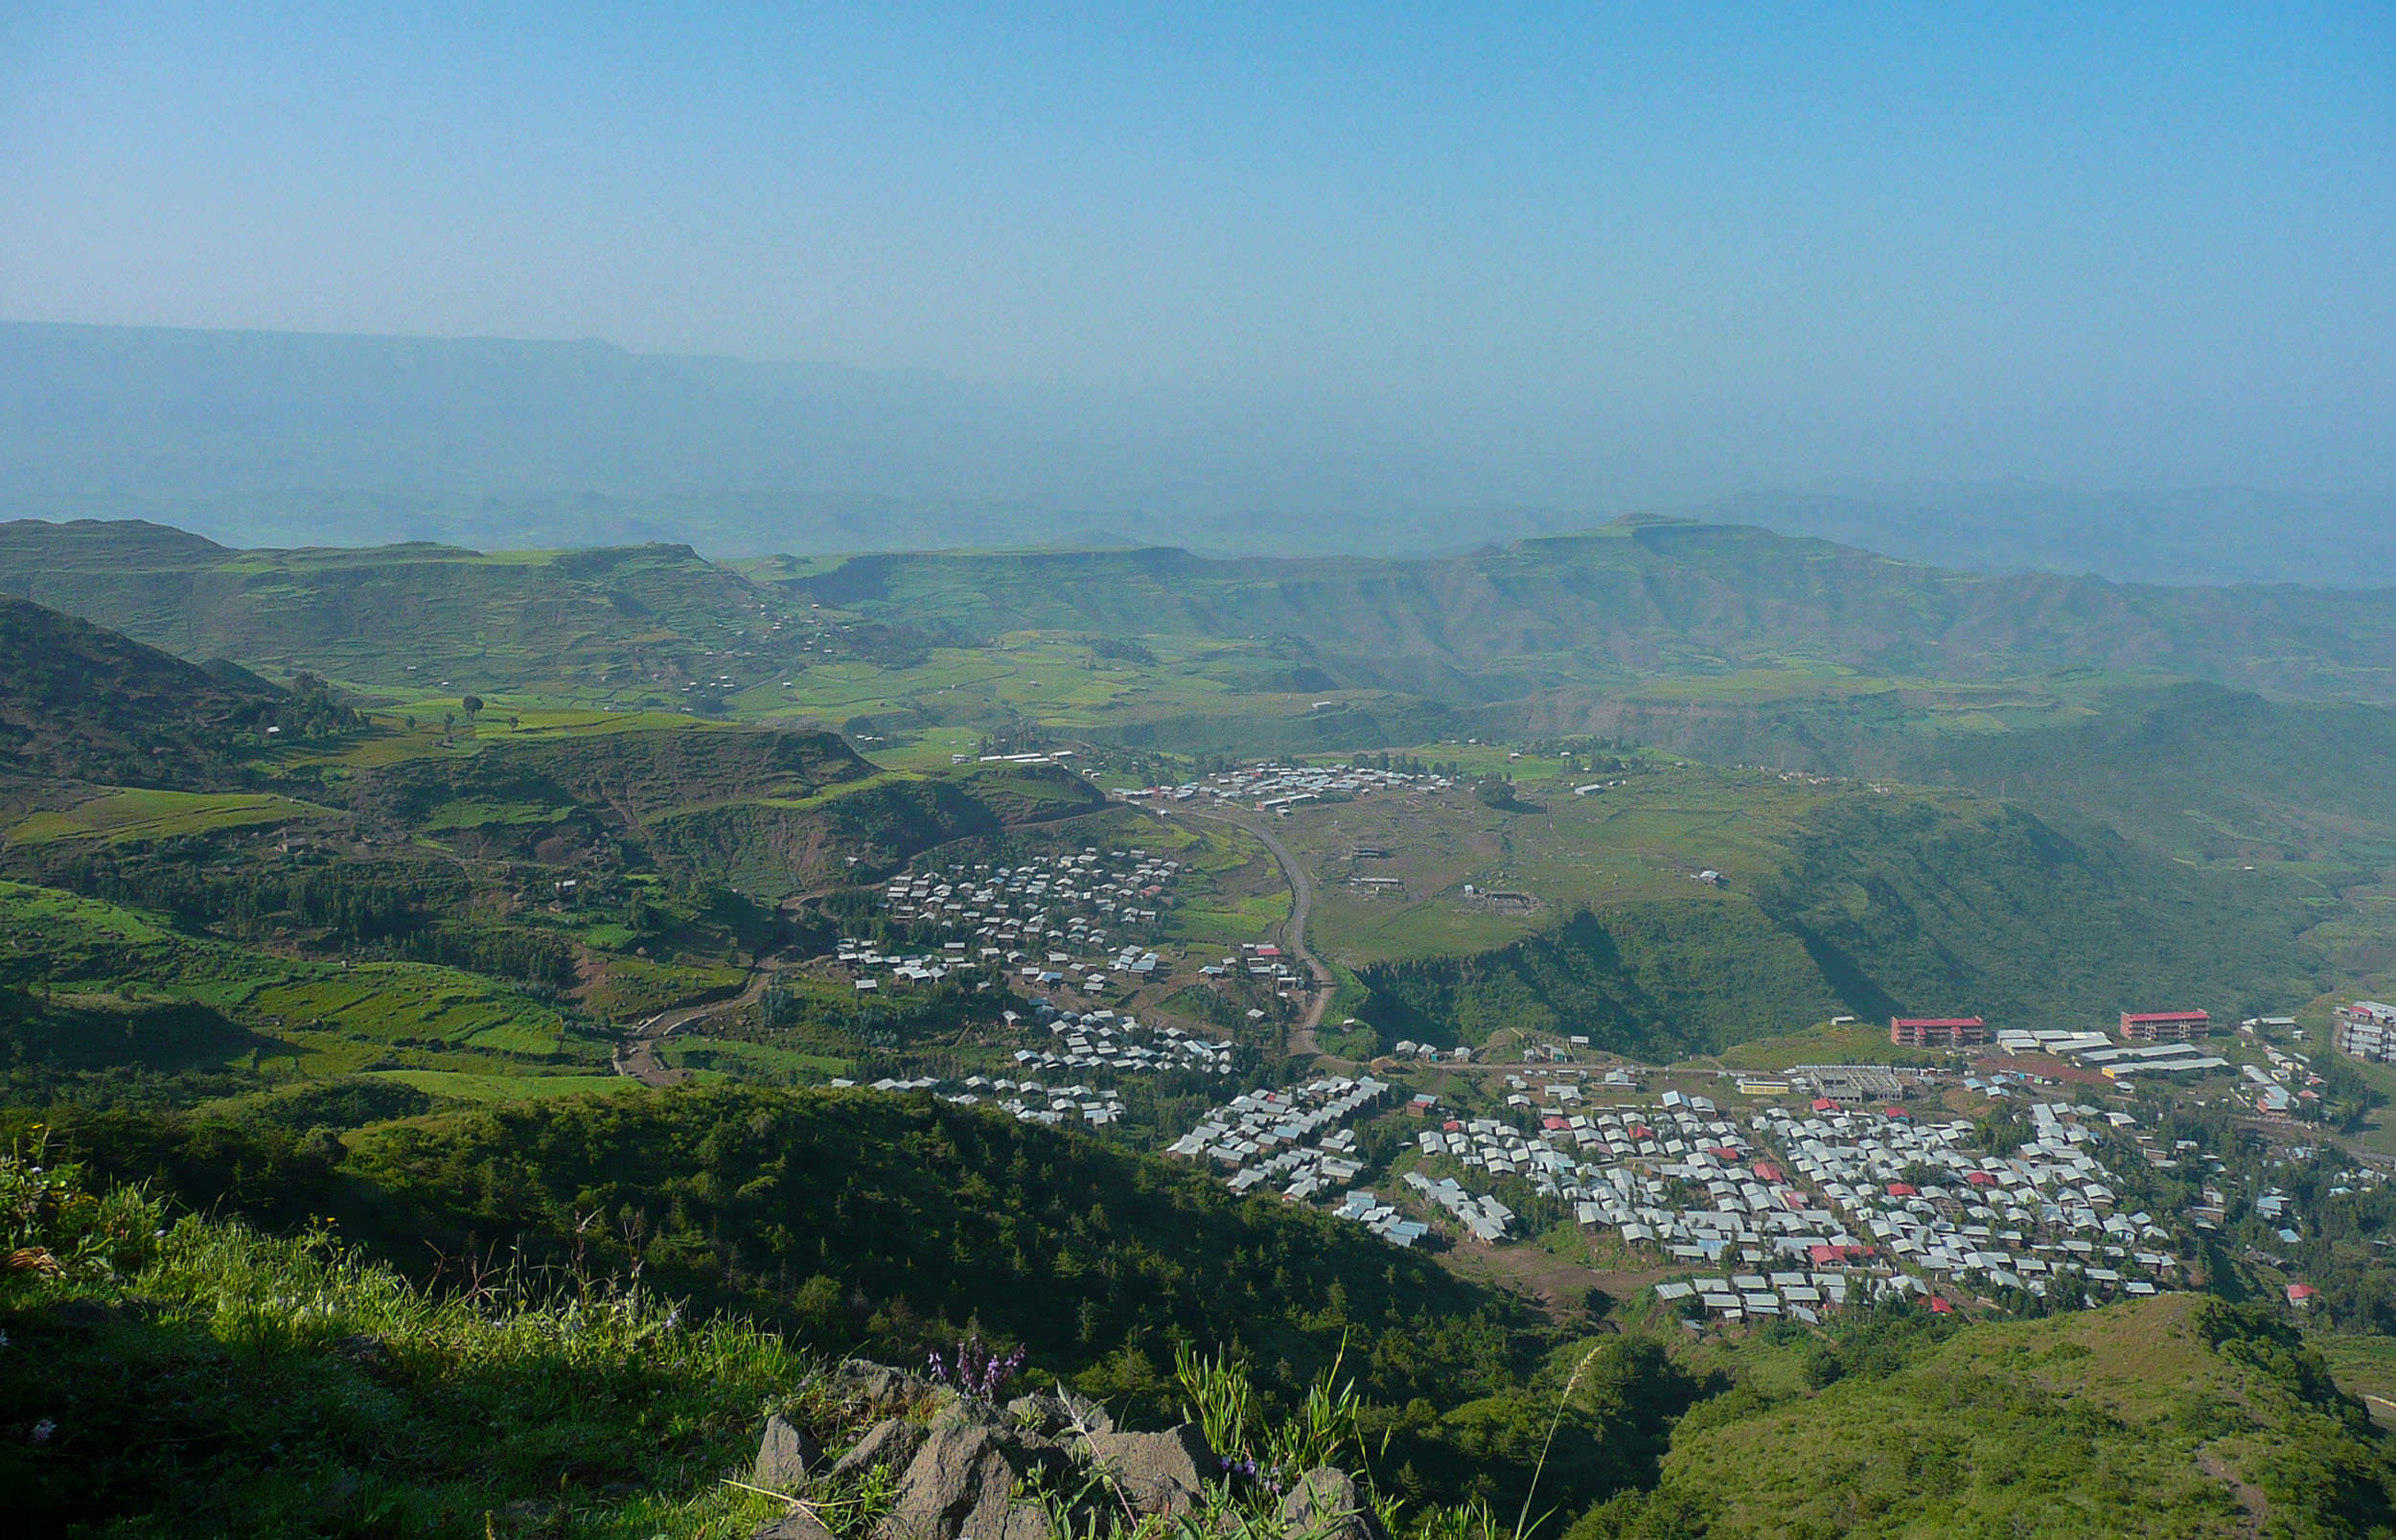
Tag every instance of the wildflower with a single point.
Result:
(43, 1429)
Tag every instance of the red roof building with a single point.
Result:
(2165, 1026)
(1937, 1031)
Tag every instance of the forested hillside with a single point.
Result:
(80, 702)
(1877, 906)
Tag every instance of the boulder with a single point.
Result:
(880, 1387)
(785, 1455)
(1325, 1502)
(957, 1485)
(1054, 1413)
(1156, 1472)
(951, 1409)
(892, 1443)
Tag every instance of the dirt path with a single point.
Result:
(1301, 1034)
(639, 1059)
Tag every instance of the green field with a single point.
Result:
(504, 1088)
(147, 814)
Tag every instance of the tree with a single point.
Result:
(474, 706)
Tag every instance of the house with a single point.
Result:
(1937, 1031)
(2165, 1026)
(2300, 1294)
(2365, 1029)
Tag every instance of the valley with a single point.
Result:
(1439, 972)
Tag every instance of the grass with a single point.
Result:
(2174, 1417)
(1857, 1043)
(196, 1375)
(249, 1384)
(301, 1018)
(387, 1001)
(146, 815)
(503, 1088)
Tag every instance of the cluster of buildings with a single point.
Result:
(1383, 1219)
(870, 967)
(1274, 788)
(1262, 962)
(1409, 1048)
(2148, 1044)
(1486, 1219)
(1046, 900)
(1294, 1138)
(1922, 1192)
(1029, 1100)
(1797, 1293)
(1045, 921)
(1693, 1185)
(1101, 1040)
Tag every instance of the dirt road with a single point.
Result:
(639, 1059)
(1301, 1033)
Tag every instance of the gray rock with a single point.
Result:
(892, 1443)
(1054, 1413)
(1325, 1502)
(785, 1455)
(1026, 1521)
(796, 1524)
(952, 1411)
(1157, 1471)
(880, 1387)
(959, 1484)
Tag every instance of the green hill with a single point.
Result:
(2178, 1416)
(648, 620)
(1879, 905)
(80, 702)
(1637, 599)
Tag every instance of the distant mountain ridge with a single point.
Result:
(1635, 598)
(282, 439)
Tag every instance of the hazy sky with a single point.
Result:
(2111, 244)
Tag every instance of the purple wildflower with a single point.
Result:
(979, 1373)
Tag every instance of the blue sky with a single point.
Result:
(2119, 245)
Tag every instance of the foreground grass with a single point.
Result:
(200, 1377)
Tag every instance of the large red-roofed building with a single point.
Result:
(2165, 1026)
(1937, 1031)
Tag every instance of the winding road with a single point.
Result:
(1301, 1034)
(639, 1059)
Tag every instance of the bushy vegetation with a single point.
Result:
(2178, 1416)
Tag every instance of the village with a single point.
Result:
(1044, 921)
(1271, 788)
(1732, 1197)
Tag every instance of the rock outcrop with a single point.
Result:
(1326, 1500)
(959, 1463)
(786, 1457)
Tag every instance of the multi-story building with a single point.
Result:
(2165, 1026)
(2366, 1029)
(1937, 1031)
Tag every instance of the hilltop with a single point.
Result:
(2177, 1416)
(80, 702)
(1639, 598)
